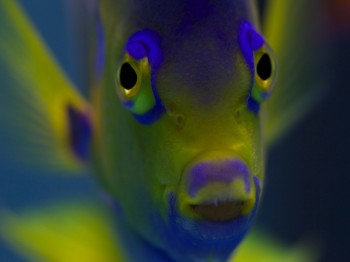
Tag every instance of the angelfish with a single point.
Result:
(178, 122)
(176, 118)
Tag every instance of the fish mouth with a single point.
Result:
(217, 187)
(220, 203)
(214, 214)
(219, 211)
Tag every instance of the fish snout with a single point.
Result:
(217, 187)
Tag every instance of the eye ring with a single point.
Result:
(265, 67)
(143, 54)
(135, 93)
(265, 73)
(129, 78)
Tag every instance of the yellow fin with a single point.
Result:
(258, 247)
(86, 231)
(65, 233)
(298, 41)
(37, 101)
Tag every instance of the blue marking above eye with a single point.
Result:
(146, 43)
(249, 41)
(137, 50)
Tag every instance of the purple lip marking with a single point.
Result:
(226, 172)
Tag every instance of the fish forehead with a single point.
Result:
(200, 63)
(185, 23)
(199, 42)
(169, 14)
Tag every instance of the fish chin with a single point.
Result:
(219, 229)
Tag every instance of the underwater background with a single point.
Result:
(306, 196)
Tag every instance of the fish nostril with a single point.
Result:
(225, 172)
(180, 120)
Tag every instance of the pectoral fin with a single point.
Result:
(44, 121)
(64, 233)
(259, 247)
(298, 41)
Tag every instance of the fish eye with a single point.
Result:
(265, 73)
(127, 76)
(135, 78)
(264, 67)
(134, 87)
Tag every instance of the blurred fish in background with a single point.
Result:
(305, 198)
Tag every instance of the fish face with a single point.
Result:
(179, 131)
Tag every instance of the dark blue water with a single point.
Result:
(307, 189)
(308, 182)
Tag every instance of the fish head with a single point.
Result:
(179, 141)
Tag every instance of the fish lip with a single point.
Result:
(199, 181)
(199, 229)
(219, 208)
(212, 197)
(185, 222)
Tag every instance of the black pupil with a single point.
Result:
(264, 67)
(128, 76)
